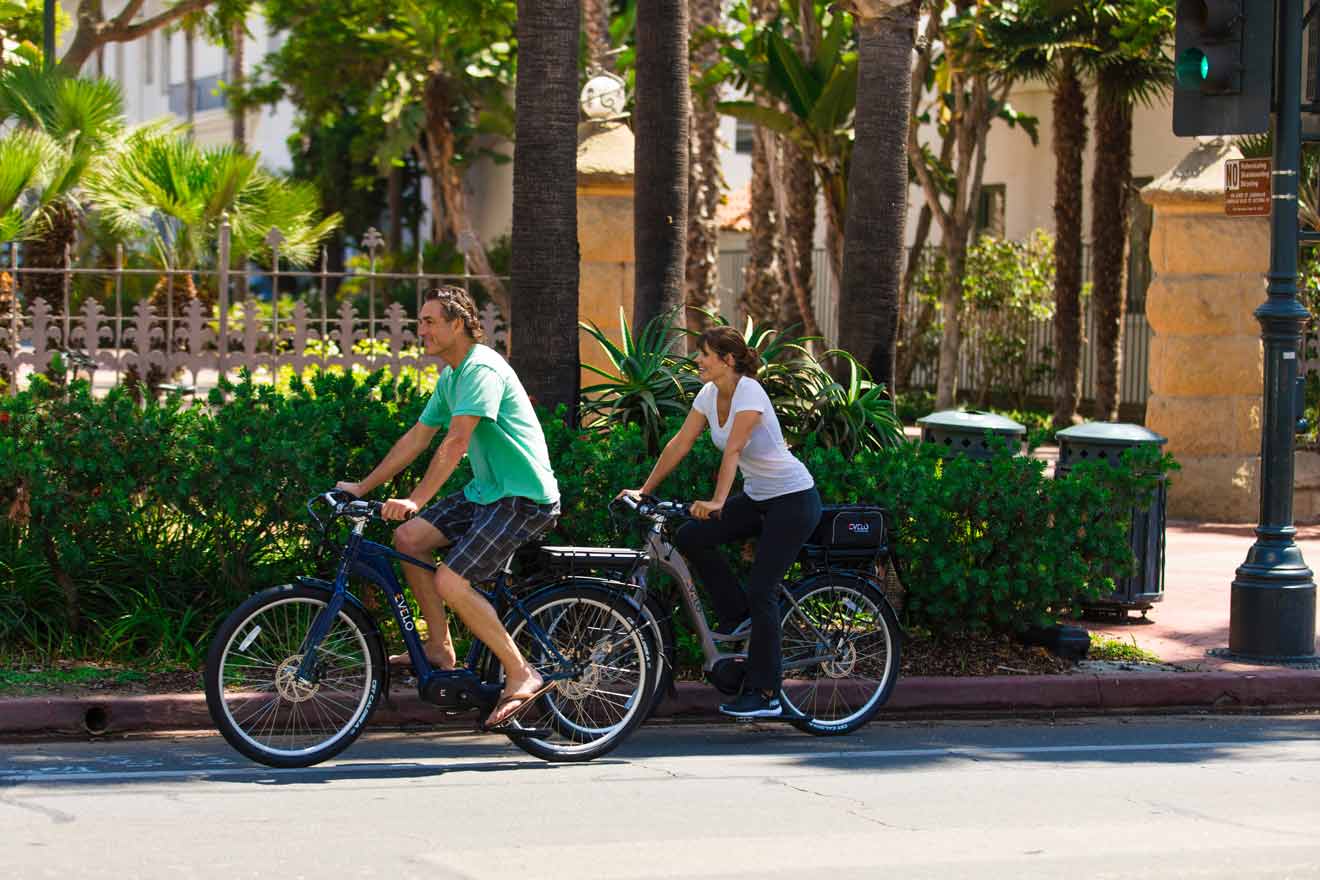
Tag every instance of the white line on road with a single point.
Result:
(85, 774)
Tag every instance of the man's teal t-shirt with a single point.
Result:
(508, 451)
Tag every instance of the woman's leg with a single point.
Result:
(699, 541)
(789, 521)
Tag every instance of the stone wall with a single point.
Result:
(1206, 357)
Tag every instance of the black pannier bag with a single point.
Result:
(848, 532)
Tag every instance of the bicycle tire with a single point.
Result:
(255, 700)
(592, 715)
(861, 631)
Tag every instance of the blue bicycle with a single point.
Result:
(294, 673)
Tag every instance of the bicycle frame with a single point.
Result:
(660, 552)
(374, 562)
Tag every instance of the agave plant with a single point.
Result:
(648, 380)
(855, 417)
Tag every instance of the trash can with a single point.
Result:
(963, 433)
(1105, 441)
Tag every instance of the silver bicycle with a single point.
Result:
(841, 638)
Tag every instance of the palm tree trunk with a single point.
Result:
(877, 193)
(190, 78)
(394, 200)
(543, 327)
(660, 158)
(760, 294)
(798, 235)
(1069, 147)
(1110, 185)
(596, 24)
(236, 110)
(49, 250)
(706, 184)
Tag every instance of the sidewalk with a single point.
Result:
(1192, 618)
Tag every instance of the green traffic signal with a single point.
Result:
(1192, 68)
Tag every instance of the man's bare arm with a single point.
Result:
(446, 458)
(401, 454)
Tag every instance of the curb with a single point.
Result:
(695, 701)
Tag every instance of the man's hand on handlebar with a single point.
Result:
(397, 509)
(354, 489)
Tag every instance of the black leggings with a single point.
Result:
(783, 523)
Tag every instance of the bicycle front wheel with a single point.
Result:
(255, 696)
(584, 717)
(841, 653)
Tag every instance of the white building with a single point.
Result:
(151, 71)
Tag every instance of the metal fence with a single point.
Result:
(1135, 340)
(247, 326)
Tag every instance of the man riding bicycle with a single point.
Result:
(513, 496)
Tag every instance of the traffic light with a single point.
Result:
(1223, 66)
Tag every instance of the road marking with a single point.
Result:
(84, 773)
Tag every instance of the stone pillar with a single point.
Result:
(1206, 359)
(605, 233)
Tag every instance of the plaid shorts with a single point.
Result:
(484, 536)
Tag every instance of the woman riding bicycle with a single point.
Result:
(779, 503)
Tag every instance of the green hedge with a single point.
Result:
(132, 528)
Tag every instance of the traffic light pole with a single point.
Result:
(1272, 611)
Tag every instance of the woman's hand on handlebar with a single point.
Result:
(706, 509)
(633, 495)
(397, 509)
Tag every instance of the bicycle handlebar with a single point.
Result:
(652, 507)
(343, 503)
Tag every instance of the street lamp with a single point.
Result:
(604, 96)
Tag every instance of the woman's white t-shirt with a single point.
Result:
(768, 468)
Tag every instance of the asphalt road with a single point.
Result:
(1114, 797)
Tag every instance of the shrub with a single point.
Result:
(131, 529)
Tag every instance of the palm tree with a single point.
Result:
(760, 297)
(85, 116)
(660, 157)
(706, 183)
(28, 160)
(544, 332)
(181, 192)
(877, 186)
(1069, 112)
(596, 25)
(1132, 68)
(807, 97)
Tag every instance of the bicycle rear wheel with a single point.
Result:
(591, 714)
(253, 692)
(841, 653)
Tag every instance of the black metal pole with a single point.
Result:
(1272, 611)
(48, 34)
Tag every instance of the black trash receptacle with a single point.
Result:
(1105, 441)
(963, 433)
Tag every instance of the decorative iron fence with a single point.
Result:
(234, 329)
(1135, 341)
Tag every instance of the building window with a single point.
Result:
(149, 58)
(990, 210)
(207, 95)
(165, 66)
(744, 136)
